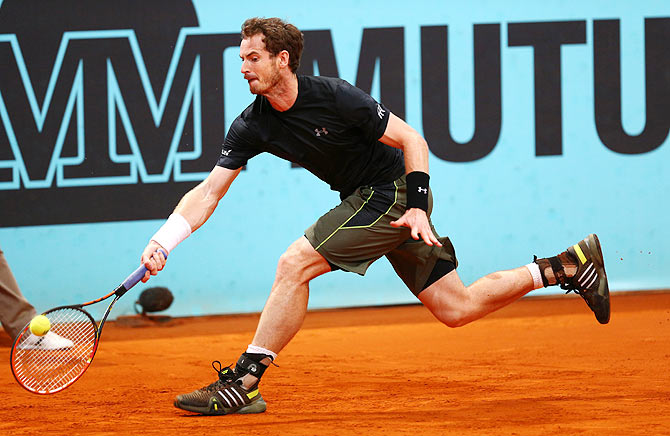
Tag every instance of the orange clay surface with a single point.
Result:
(541, 366)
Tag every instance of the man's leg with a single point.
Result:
(286, 306)
(580, 269)
(285, 309)
(236, 390)
(455, 304)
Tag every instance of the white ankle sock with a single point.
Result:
(260, 350)
(534, 270)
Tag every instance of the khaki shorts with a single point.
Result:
(357, 232)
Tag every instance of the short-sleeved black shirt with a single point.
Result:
(332, 130)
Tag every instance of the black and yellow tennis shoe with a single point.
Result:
(223, 397)
(587, 274)
(590, 280)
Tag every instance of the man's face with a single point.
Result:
(258, 65)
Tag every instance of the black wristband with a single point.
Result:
(417, 190)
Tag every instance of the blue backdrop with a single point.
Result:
(499, 209)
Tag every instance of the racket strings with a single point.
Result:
(48, 364)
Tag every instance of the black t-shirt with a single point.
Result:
(332, 130)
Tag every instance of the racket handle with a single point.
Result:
(137, 275)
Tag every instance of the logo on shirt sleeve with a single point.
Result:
(321, 131)
(380, 111)
(225, 152)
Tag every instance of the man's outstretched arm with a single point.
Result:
(193, 210)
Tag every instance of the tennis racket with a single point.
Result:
(50, 363)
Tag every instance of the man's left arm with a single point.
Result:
(401, 135)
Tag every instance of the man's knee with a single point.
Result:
(290, 262)
(448, 300)
(300, 262)
(453, 318)
(453, 314)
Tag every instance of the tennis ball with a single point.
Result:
(40, 325)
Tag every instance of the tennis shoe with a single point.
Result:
(50, 341)
(223, 397)
(590, 280)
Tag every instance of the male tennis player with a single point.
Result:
(379, 165)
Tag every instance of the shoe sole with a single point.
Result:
(215, 408)
(596, 255)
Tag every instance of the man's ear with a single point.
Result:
(284, 58)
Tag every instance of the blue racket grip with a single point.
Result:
(137, 275)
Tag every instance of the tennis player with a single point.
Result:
(379, 165)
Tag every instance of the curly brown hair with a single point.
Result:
(278, 35)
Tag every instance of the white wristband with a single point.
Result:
(534, 270)
(175, 230)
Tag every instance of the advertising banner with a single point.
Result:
(545, 122)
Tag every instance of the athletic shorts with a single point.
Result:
(357, 232)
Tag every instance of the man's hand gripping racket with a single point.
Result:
(43, 365)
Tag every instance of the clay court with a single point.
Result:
(541, 366)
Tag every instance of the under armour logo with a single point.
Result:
(380, 111)
(423, 190)
(321, 131)
(225, 152)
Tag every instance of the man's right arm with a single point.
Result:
(199, 203)
(193, 210)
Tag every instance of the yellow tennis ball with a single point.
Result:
(40, 325)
